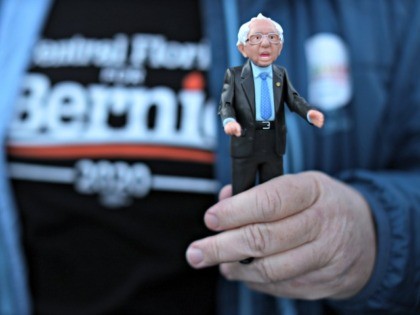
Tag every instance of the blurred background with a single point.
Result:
(114, 151)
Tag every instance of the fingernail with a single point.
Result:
(211, 221)
(195, 256)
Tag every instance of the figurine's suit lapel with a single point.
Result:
(247, 81)
(277, 86)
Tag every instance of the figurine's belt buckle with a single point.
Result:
(267, 125)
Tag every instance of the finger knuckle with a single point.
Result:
(269, 201)
(257, 238)
(313, 221)
(213, 252)
(267, 271)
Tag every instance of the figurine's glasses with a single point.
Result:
(257, 38)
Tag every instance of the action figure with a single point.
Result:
(252, 105)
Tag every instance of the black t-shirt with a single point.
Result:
(111, 159)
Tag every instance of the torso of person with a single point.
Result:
(111, 156)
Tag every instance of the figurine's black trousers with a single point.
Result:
(264, 164)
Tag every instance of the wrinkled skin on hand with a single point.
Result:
(312, 237)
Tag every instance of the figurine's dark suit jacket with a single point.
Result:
(238, 101)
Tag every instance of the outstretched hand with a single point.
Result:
(316, 117)
(311, 235)
(233, 128)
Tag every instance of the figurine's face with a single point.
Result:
(264, 53)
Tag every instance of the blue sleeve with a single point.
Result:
(20, 22)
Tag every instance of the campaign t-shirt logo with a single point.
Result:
(329, 78)
(119, 110)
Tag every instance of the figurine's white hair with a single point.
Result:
(244, 29)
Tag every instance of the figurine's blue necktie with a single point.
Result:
(265, 97)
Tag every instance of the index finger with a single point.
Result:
(274, 200)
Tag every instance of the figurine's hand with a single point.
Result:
(233, 128)
(316, 117)
(311, 235)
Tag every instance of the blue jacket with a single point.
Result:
(371, 143)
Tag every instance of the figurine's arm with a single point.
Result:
(299, 105)
(226, 108)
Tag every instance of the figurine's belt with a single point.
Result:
(264, 125)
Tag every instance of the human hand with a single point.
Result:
(233, 128)
(316, 117)
(311, 235)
